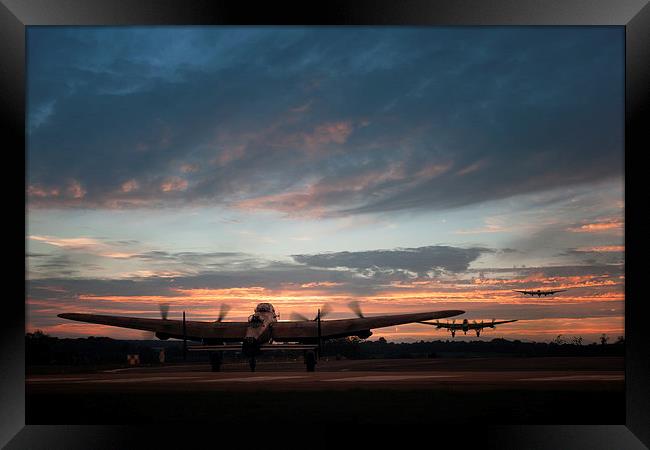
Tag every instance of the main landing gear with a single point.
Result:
(216, 358)
(252, 363)
(310, 360)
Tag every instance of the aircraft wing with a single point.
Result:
(474, 326)
(503, 321)
(238, 347)
(524, 292)
(226, 331)
(308, 330)
(449, 326)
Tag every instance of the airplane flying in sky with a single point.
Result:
(466, 326)
(262, 331)
(539, 292)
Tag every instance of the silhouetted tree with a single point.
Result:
(577, 340)
(38, 335)
(603, 339)
(559, 340)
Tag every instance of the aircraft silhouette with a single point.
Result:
(465, 326)
(539, 292)
(262, 331)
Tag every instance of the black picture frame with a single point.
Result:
(634, 15)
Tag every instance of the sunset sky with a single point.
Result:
(409, 168)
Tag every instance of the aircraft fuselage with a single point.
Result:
(259, 330)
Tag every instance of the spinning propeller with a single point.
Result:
(323, 311)
(356, 308)
(164, 310)
(223, 311)
(326, 309)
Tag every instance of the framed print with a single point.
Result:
(359, 214)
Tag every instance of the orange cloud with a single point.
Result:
(38, 191)
(118, 255)
(604, 248)
(598, 227)
(337, 132)
(75, 189)
(174, 184)
(130, 185)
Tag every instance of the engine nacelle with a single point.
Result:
(162, 336)
(364, 334)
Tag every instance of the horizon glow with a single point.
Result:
(407, 168)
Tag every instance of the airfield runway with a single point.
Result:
(386, 374)
(543, 389)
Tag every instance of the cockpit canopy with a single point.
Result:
(255, 320)
(264, 307)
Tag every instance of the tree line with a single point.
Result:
(42, 349)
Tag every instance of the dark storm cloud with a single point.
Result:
(274, 275)
(203, 261)
(59, 265)
(320, 121)
(222, 270)
(596, 257)
(419, 260)
(72, 288)
(596, 269)
(193, 257)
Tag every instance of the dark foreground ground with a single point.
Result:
(559, 390)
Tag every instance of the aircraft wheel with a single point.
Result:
(252, 363)
(215, 361)
(310, 360)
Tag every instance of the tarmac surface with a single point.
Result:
(494, 390)
(493, 373)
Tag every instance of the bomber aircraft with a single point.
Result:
(539, 292)
(262, 331)
(466, 326)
